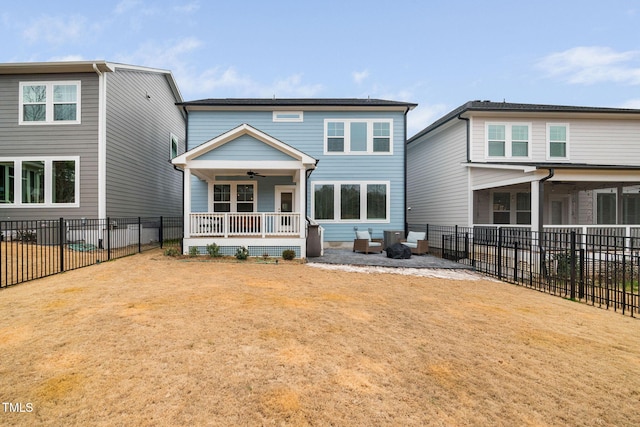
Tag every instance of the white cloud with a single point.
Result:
(593, 64)
(188, 8)
(632, 103)
(56, 29)
(359, 76)
(423, 115)
(67, 58)
(126, 5)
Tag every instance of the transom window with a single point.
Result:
(49, 102)
(234, 197)
(351, 201)
(354, 136)
(288, 116)
(41, 182)
(557, 141)
(508, 140)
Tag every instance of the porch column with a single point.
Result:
(302, 200)
(535, 206)
(187, 203)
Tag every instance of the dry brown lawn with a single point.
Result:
(152, 340)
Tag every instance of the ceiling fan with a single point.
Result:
(253, 174)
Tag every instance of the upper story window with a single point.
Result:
(358, 136)
(49, 102)
(557, 141)
(288, 116)
(508, 140)
(174, 146)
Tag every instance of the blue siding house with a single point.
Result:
(257, 172)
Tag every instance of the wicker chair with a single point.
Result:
(364, 243)
(416, 241)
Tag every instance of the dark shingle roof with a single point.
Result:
(297, 102)
(517, 107)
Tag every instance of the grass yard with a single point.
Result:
(150, 340)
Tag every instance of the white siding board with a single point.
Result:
(437, 181)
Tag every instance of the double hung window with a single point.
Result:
(557, 141)
(508, 140)
(49, 102)
(358, 136)
(234, 197)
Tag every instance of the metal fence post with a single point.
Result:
(515, 261)
(108, 239)
(139, 235)
(161, 232)
(499, 255)
(455, 245)
(572, 264)
(61, 238)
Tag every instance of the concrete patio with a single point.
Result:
(348, 257)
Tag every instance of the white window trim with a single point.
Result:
(548, 138)
(508, 141)
(347, 137)
(363, 202)
(513, 206)
(49, 103)
(278, 116)
(234, 194)
(48, 182)
(172, 139)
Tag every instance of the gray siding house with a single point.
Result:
(538, 167)
(89, 139)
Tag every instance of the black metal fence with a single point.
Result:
(596, 269)
(39, 248)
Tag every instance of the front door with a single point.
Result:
(285, 203)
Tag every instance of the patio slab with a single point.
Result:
(348, 257)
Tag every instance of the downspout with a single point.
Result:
(102, 144)
(541, 199)
(307, 174)
(468, 136)
(404, 212)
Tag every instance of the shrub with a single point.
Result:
(170, 252)
(213, 250)
(288, 254)
(194, 251)
(242, 253)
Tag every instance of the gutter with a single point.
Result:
(541, 198)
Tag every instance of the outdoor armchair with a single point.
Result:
(417, 242)
(364, 243)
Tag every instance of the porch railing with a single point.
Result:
(258, 224)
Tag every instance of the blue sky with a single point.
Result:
(438, 54)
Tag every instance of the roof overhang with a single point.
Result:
(55, 67)
(298, 158)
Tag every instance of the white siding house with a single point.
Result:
(525, 165)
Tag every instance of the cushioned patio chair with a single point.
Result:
(416, 241)
(364, 243)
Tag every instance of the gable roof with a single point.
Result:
(503, 107)
(98, 66)
(244, 129)
(299, 103)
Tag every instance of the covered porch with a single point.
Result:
(587, 200)
(245, 189)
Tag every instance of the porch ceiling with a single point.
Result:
(211, 174)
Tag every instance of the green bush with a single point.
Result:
(172, 252)
(213, 250)
(288, 254)
(242, 253)
(194, 251)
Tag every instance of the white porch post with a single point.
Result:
(302, 199)
(187, 203)
(535, 205)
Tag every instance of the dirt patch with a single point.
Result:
(149, 340)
